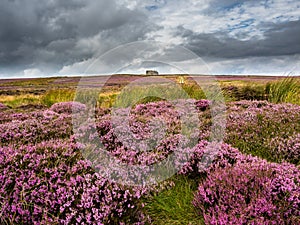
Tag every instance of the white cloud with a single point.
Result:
(200, 18)
(32, 72)
(280, 65)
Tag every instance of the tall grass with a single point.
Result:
(285, 90)
(107, 100)
(132, 95)
(174, 206)
(58, 95)
(194, 91)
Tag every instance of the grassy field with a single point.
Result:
(47, 91)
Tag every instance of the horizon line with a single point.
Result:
(138, 74)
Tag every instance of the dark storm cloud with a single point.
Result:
(62, 37)
(56, 33)
(279, 39)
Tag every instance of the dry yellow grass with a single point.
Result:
(17, 100)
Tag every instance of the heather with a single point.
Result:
(51, 183)
(253, 125)
(45, 178)
(18, 129)
(2, 107)
(51, 172)
(68, 107)
(287, 149)
(254, 192)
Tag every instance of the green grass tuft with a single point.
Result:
(174, 206)
(58, 95)
(286, 90)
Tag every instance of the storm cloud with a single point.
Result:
(53, 37)
(279, 39)
(51, 34)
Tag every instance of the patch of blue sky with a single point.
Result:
(242, 24)
(282, 19)
(231, 6)
(151, 7)
(156, 4)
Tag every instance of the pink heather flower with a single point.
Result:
(2, 106)
(253, 192)
(68, 107)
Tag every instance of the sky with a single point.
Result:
(75, 37)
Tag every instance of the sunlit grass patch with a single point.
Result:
(58, 95)
(18, 100)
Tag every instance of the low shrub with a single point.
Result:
(244, 92)
(2, 107)
(251, 92)
(256, 192)
(68, 107)
(50, 183)
(202, 104)
(252, 125)
(286, 149)
(22, 128)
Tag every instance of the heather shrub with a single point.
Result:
(253, 192)
(68, 107)
(50, 183)
(287, 149)
(252, 125)
(47, 178)
(2, 107)
(6, 117)
(202, 104)
(136, 142)
(18, 129)
(206, 157)
(135, 138)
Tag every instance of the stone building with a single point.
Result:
(151, 72)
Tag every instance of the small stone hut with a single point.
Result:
(151, 72)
